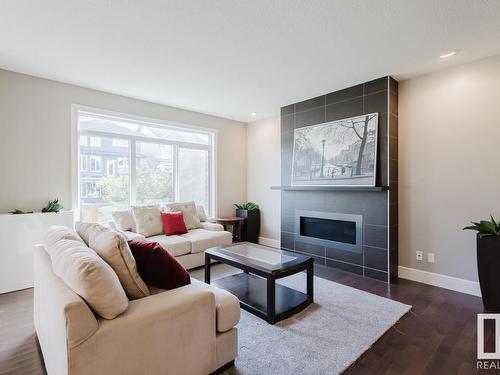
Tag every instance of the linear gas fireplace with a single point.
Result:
(340, 231)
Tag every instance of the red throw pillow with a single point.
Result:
(157, 267)
(173, 223)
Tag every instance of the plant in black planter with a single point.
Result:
(488, 261)
(251, 227)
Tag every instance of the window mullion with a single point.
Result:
(176, 173)
(132, 173)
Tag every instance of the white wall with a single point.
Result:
(35, 125)
(264, 171)
(449, 152)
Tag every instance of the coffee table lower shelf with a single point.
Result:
(251, 290)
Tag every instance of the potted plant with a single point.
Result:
(488, 261)
(53, 206)
(251, 227)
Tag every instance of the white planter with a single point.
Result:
(18, 236)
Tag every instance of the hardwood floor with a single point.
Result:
(19, 350)
(438, 336)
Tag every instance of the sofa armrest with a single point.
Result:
(173, 332)
(227, 307)
(212, 226)
(62, 318)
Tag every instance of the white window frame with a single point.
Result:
(77, 110)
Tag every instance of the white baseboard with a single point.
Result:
(442, 281)
(270, 242)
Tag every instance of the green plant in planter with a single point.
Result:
(17, 211)
(485, 227)
(249, 206)
(53, 206)
(488, 261)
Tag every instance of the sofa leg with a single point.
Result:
(223, 368)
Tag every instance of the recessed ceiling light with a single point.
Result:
(253, 114)
(448, 54)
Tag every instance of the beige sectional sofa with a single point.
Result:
(188, 330)
(188, 248)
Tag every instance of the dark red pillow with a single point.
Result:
(157, 267)
(173, 223)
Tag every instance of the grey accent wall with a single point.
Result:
(393, 179)
(379, 209)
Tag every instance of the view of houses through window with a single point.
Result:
(126, 162)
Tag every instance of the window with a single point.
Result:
(84, 159)
(154, 173)
(95, 163)
(95, 142)
(89, 190)
(111, 167)
(119, 143)
(124, 162)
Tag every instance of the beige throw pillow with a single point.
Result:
(85, 272)
(124, 220)
(83, 230)
(112, 246)
(148, 220)
(188, 209)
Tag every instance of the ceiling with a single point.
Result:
(232, 57)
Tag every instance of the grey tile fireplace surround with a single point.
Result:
(377, 255)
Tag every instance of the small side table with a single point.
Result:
(235, 224)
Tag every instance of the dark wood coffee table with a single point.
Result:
(256, 287)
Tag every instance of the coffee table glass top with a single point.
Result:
(257, 255)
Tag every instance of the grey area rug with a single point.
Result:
(325, 338)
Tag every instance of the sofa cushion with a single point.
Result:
(211, 226)
(112, 246)
(147, 220)
(124, 220)
(200, 212)
(173, 223)
(202, 239)
(157, 266)
(189, 211)
(85, 272)
(175, 245)
(227, 307)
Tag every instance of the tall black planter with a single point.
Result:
(251, 226)
(488, 266)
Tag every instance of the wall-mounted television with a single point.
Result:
(339, 153)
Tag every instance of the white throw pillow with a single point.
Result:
(200, 212)
(147, 220)
(189, 212)
(85, 272)
(112, 246)
(124, 220)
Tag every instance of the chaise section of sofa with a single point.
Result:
(188, 330)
